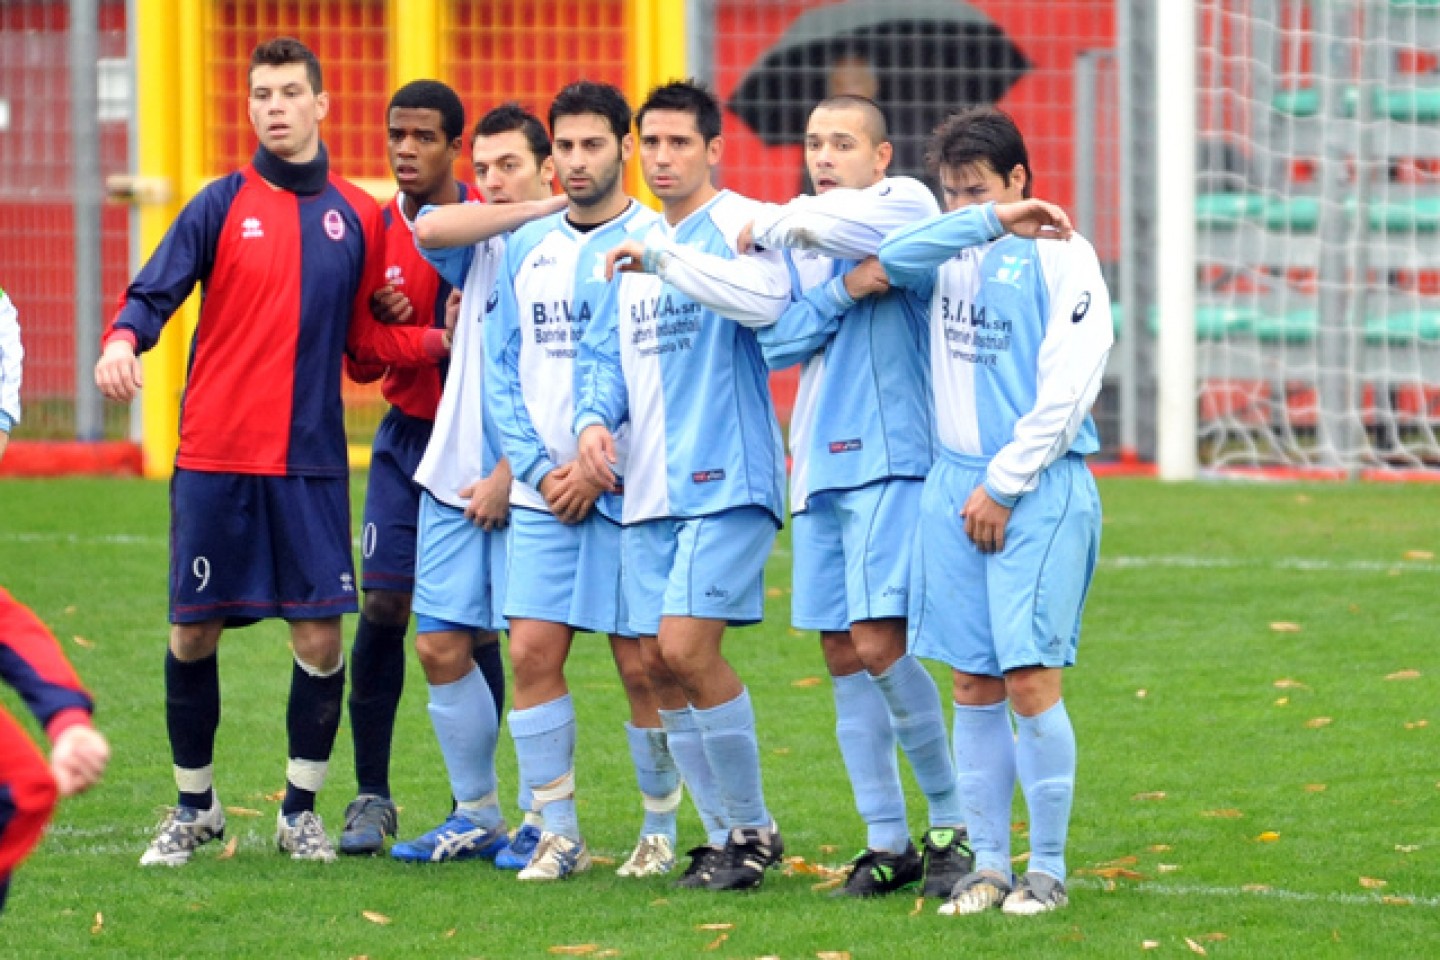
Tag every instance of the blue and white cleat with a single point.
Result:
(458, 838)
(522, 847)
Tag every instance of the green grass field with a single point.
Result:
(1259, 792)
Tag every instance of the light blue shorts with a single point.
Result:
(852, 555)
(711, 568)
(459, 570)
(988, 614)
(563, 573)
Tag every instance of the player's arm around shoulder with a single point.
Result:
(466, 224)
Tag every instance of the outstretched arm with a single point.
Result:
(753, 289)
(844, 223)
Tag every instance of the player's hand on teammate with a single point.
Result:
(568, 493)
(488, 505)
(389, 305)
(118, 372)
(628, 257)
(745, 242)
(597, 457)
(866, 278)
(985, 521)
(78, 758)
(1034, 219)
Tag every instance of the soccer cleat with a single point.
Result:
(703, 861)
(653, 856)
(369, 819)
(875, 873)
(458, 838)
(183, 830)
(976, 893)
(748, 853)
(1037, 892)
(948, 860)
(556, 858)
(520, 849)
(302, 835)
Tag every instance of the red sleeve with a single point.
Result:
(370, 341)
(31, 661)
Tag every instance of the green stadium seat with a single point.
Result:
(1291, 213)
(1428, 5)
(1405, 104)
(1403, 327)
(1223, 210)
(1296, 326)
(1217, 322)
(1421, 214)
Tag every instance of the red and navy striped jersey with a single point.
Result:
(31, 662)
(415, 390)
(287, 280)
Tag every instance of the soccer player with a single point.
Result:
(564, 572)
(703, 484)
(862, 442)
(1009, 526)
(32, 663)
(465, 503)
(289, 257)
(425, 122)
(11, 355)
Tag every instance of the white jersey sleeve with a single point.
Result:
(1071, 364)
(843, 223)
(11, 355)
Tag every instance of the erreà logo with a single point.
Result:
(1081, 308)
(707, 476)
(334, 225)
(250, 229)
(394, 275)
(845, 446)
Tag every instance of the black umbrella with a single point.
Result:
(928, 57)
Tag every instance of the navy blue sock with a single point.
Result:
(192, 715)
(377, 678)
(311, 720)
(487, 657)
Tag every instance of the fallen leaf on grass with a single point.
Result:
(1285, 683)
(376, 918)
(1158, 848)
(1112, 873)
(450, 934)
(242, 812)
(1019, 826)
(1269, 836)
(1372, 883)
(1282, 702)
(1419, 555)
(1129, 861)
(603, 861)
(660, 902)
(807, 682)
(1215, 937)
(802, 867)
(1314, 788)
(919, 905)
(1397, 901)
(1149, 944)
(1403, 675)
(715, 926)
(1195, 947)
(773, 592)
(1021, 857)
(1302, 498)
(574, 949)
(829, 848)
(607, 952)
(715, 944)
(833, 955)
(1406, 847)
(1315, 723)
(1167, 867)
(275, 796)
(1417, 724)
(99, 923)
(71, 609)
(1285, 626)
(1142, 693)
(229, 850)
(1228, 813)
(82, 642)
(1256, 888)
(1150, 795)
(796, 633)
(781, 751)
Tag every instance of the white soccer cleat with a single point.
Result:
(980, 891)
(181, 833)
(556, 858)
(302, 835)
(1036, 892)
(653, 856)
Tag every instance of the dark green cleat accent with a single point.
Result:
(948, 858)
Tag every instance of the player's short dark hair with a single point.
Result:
(512, 116)
(877, 126)
(685, 96)
(979, 134)
(432, 95)
(587, 96)
(284, 50)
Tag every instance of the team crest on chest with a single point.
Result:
(334, 224)
(394, 276)
(251, 229)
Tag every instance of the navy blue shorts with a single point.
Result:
(392, 503)
(245, 548)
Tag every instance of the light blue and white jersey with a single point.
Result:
(11, 354)
(863, 409)
(1019, 334)
(463, 448)
(531, 340)
(690, 380)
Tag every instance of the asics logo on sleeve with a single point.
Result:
(493, 301)
(1081, 308)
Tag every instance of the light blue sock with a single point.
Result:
(1045, 759)
(867, 743)
(545, 751)
(985, 763)
(688, 751)
(657, 777)
(728, 733)
(463, 714)
(919, 724)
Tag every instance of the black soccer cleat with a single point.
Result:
(875, 873)
(748, 853)
(948, 858)
(703, 861)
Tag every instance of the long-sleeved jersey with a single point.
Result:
(463, 445)
(531, 339)
(287, 280)
(863, 410)
(11, 355)
(1019, 334)
(414, 390)
(31, 662)
(691, 381)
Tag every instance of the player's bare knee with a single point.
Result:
(977, 690)
(534, 663)
(317, 644)
(390, 607)
(195, 641)
(878, 643)
(445, 657)
(1033, 690)
(841, 657)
